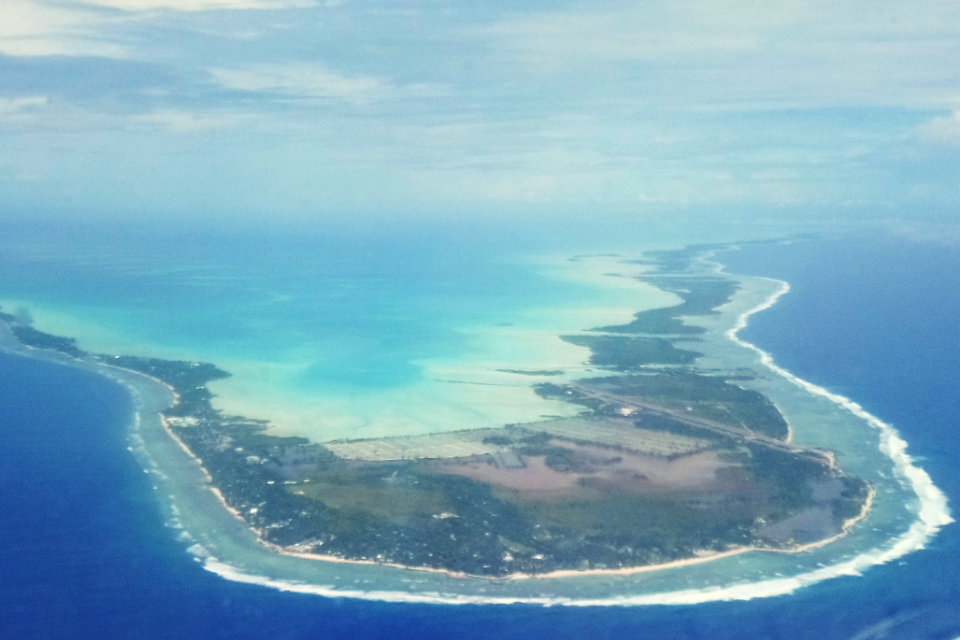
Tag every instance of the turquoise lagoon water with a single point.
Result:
(334, 336)
(339, 335)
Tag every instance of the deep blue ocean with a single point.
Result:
(84, 552)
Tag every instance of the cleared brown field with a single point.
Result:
(601, 471)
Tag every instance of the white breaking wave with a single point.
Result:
(933, 512)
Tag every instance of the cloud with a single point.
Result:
(190, 122)
(14, 108)
(47, 28)
(200, 5)
(304, 81)
(944, 130)
(646, 198)
(541, 188)
(646, 31)
(34, 29)
(751, 54)
(550, 39)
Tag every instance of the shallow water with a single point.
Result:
(338, 339)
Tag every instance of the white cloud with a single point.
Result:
(200, 5)
(650, 33)
(83, 28)
(561, 41)
(540, 188)
(305, 81)
(12, 108)
(646, 198)
(35, 29)
(944, 130)
(190, 122)
(947, 233)
(752, 54)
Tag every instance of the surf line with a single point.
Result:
(933, 512)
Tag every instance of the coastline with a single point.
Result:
(568, 573)
(731, 334)
(934, 512)
(563, 573)
(277, 384)
(894, 448)
(287, 551)
(928, 519)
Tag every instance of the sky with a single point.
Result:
(300, 109)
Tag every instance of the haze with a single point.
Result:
(298, 109)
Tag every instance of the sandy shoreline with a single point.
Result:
(16, 347)
(288, 551)
(562, 573)
(567, 573)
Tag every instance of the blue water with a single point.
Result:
(362, 305)
(84, 553)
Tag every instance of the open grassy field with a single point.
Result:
(346, 492)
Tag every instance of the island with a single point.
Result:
(664, 462)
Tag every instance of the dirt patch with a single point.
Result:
(693, 470)
(603, 470)
(536, 476)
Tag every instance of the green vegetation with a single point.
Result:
(631, 354)
(665, 321)
(538, 372)
(709, 397)
(851, 500)
(188, 379)
(556, 458)
(677, 260)
(650, 527)
(573, 396)
(20, 325)
(381, 500)
(786, 478)
(656, 422)
(700, 297)
(40, 340)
